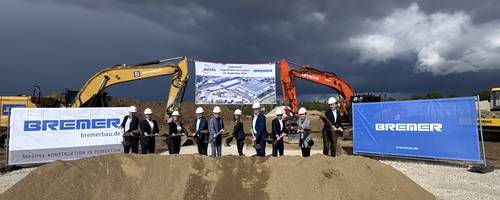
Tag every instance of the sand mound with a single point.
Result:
(196, 177)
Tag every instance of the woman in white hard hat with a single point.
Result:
(330, 132)
(175, 130)
(238, 132)
(278, 132)
(304, 130)
(149, 129)
(200, 127)
(130, 126)
(216, 129)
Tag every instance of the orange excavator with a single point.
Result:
(331, 80)
(328, 79)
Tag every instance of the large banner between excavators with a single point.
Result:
(218, 83)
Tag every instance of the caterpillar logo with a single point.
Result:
(54, 125)
(411, 127)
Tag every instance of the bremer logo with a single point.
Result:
(414, 127)
(309, 76)
(54, 125)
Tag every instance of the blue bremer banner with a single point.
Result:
(438, 128)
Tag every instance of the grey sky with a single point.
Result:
(403, 47)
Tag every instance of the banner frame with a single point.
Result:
(482, 160)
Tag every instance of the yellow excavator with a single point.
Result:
(490, 120)
(92, 93)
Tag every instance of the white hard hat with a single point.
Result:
(332, 100)
(279, 112)
(302, 111)
(199, 110)
(237, 112)
(176, 113)
(217, 109)
(132, 109)
(148, 111)
(256, 105)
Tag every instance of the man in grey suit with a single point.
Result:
(216, 128)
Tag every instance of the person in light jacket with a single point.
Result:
(216, 129)
(306, 140)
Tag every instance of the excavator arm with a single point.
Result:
(287, 74)
(123, 73)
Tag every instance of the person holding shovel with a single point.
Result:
(130, 126)
(200, 128)
(238, 132)
(278, 132)
(304, 129)
(330, 132)
(149, 129)
(216, 129)
(175, 130)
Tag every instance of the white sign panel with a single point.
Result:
(39, 135)
(218, 83)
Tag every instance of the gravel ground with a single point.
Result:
(9, 179)
(451, 182)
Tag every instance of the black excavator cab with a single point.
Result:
(98, 100)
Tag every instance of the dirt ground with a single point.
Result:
(121, 176)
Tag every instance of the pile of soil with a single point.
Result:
(195, 177)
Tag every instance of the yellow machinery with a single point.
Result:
(491, 119)
(92, 93)
(92, 90)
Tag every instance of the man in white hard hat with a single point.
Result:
(216, 129)
(278, 132)
(259, 130)
(175, 130)
(130, 126)
(149, 129)
(200, 127)
(238, 132)
(330, 132)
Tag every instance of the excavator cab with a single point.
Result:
(495, 99)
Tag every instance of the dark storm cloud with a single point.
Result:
(60, 42)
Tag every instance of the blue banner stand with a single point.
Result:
(479, 164)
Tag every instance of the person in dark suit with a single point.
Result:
(216, 129)
(130, 126)
(330, 132)
(278, 132)
(238, 132)
(149, 129)
(200, 127)
(259, 130)
(175, 130)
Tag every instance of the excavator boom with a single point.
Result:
(121, 74)
(320, 77)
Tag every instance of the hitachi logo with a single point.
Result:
(53, 125)
(309, 76)
(417, 127)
